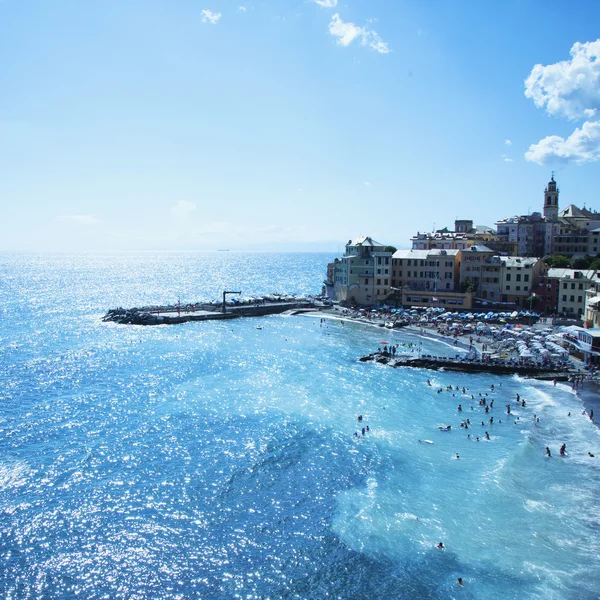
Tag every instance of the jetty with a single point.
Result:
(212, 311)
(439, 363)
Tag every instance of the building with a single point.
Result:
(519, 276)
(572, 287)
(362, 276)
(533, 234)
(428, 278)
(473, 261)
(426, 270)
(463, 236)
(546, 295)
(592, 304)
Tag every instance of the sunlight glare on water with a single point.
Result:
(218, 460)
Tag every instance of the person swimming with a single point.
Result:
(548, 453)
(487, 435)
(440, 546)
(563, 450)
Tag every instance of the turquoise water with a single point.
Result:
(217, 460)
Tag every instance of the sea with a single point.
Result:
(218, 460)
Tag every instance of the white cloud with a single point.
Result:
(79, 219)
(367, 182)
(506, 159)
(570, 88)
(347, 32)
(582, 146)
(183, 209)
(210, 17)
(242, 9)
(508, 142)
(326, 3)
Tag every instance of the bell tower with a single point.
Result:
(551, 200)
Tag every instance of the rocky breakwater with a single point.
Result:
(153, 316)
(437, 363)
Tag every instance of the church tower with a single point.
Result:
(551, 201)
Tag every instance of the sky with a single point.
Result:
(288, 125)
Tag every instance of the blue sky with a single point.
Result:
(288, 124)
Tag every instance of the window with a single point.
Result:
(448, 275)
(572, 286)
(508, 277)
(579, 299)
(378, 271)
(508, 287)
(366, 281)
(387, 260)
(518, 276)
(581, 286)
(379, 282)
(447, 286)
(564, 286)
(518, 288)
(526, 277)
(379, 260)
(385, 282)
(571, 298)
(564, 298)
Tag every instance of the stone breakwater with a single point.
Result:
(470, 366)
(169, 315)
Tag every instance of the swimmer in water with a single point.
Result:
(548, 453)
(563, 450)
(459, 581)
(440, 546)
(457, 456)
(487, 435)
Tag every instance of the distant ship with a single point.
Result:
(222, 249)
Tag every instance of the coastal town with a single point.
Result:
(544, 265)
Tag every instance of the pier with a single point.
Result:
(183, 313)
(438, 363)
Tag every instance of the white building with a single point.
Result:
(572, 287)
(362, 276)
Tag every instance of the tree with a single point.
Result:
(580, 262)
(595, 264)
(556, 261)
(390, 249)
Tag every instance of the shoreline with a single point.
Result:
(589, 395)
